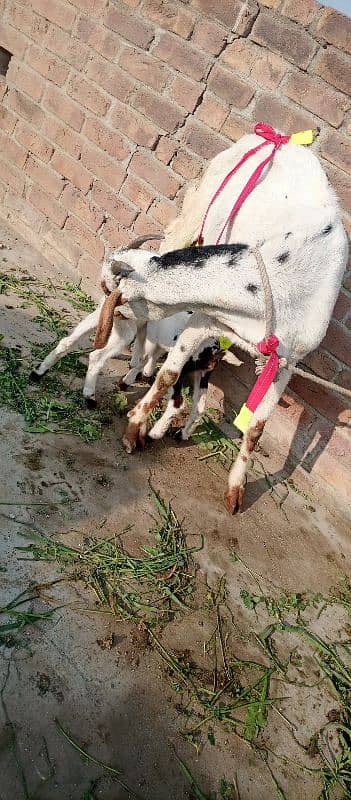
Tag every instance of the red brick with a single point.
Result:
(100, 39)
(145, 68)
(11, 150)
(63, 108)
(342, 185)
(48, 66)
(24, 107)
(64, 137)
(337, 149)
(3, 86)
(187, 165)
(302, 11)
(285, 118)
(12, 40)
(61, 241)
(121, 211)
(280, 35)
(344, 378)
(12, 176)
(335, 68)
(24, 211)
(110, 78)
(160, 110)
(89, 268)
(212, 111)
(146, 166)
(116, 235)
(43, 175)
(329, 404)
(106, 138)
(133, 125)
(73, 200)
(229, 87)
(266, 68)
(336, 29)
(26, 20)
(342, 306)
(68, 48)
(84, 238)
(55, 11)
(236, 14)
(72, 170)
(103, 167)
(25, 80)
(33, 142)
(88, 95)
(209, 36)
(236, 126)
(92, 7)
(47, 205)
(165, 150)
(338, 342)
(318, 97)
(182, 55)
(146, 224)
(186, 93)
(164, 212)
(7, 120)
(322, 364)
(201, 140)
(130, 27)
(138, 192)
(170, 16)
(347, 281)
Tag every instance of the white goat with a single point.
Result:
(293, 216)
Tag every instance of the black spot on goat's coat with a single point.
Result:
(287, 235)
(327, 229)
(197, 256)
(283, 257)
(251, 287)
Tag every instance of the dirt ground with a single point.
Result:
(100, 677)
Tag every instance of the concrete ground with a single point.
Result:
(115, 695)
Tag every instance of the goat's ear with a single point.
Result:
(121, 268)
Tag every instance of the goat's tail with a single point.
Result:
(104, 326)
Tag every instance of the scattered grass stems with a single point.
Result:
(113, 772)
(13, 619)
(145, 588)
(77, 297)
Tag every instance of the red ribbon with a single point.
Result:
(270, 136)
(267, 347)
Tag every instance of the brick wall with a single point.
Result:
(110, 107)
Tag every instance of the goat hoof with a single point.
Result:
(147, 380)
(34, 376)
(234, 499)
(123, 386)
(177, 434)
(90, 402)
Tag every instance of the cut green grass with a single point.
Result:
(146, 588)
(14, 619)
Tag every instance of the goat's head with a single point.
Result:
(119, 264)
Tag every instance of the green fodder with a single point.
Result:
(144, 588)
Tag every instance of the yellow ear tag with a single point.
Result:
(225, 343)
(242, 421)
(303, 137)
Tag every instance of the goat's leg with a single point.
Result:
(188, 343)
(174, 409)
(137, 360)
(236, 481)
(198, 404)
(152, 355)
(67, 344)
(122, 335)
